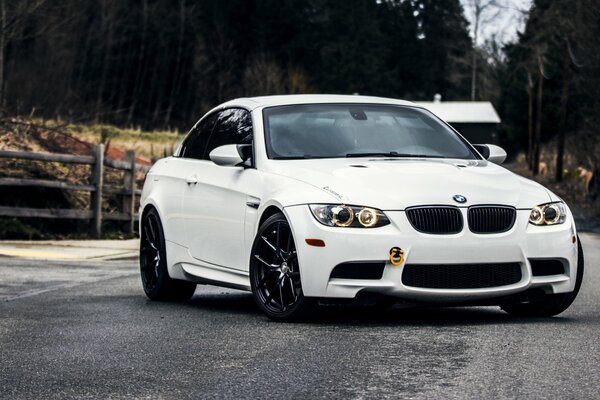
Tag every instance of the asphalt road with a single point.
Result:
(85, 330)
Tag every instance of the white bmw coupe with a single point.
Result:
(311, 198)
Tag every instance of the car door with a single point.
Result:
(173, 175)
(215, 200)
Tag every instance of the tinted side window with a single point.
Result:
(195, 143)
(233, 127)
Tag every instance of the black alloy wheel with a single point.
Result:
(275, 273)
(153, 264)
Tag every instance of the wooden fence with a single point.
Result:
(96, 187)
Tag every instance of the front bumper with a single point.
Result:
(521, 243)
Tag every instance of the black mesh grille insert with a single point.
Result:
(491, 219)
(435, 219)
(358, 270)
(460, 276)
(547, 267)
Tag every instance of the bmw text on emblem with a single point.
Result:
(459, 198)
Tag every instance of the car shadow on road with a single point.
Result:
(242, 304)
(232, 303)
(425, 316)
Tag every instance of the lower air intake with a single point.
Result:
(358, 270)
(546, 267)
(461, 276)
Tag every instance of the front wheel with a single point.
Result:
(275, 273)
(551, 304)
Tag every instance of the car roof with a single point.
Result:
(282, 100)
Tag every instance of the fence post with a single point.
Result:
(130, 186)
(97, 180)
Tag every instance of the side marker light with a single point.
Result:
(315, 242)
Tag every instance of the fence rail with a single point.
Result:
(96, 187)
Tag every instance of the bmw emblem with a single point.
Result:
(459, 198)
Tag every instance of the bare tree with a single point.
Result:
(562, 123)
(484, 12)
(12, 14)
(538, 117)
(263, 76)
(178, 67)
(140, 70)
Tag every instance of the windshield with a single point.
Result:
(359, 130)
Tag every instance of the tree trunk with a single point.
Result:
(562, 123)
(177, 74)
(140, 64)
(474, 75)
(107, 25)
(538, 123)
(530, 120)
(2, 50)
(478, 10)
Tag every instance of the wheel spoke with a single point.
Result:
(277, 235)
(281, 294)
(147, 233)
(153, 233)
(268, 298)
(292, 287)
(269, 244)
(272, 266)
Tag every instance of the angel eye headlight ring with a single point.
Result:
(346, 216)
(368, 217)
(342, 216)
(548, 214)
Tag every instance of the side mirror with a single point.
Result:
(232, 155)
(491, 152)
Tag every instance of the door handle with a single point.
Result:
(191, 180)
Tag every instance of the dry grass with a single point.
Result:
(150, 145)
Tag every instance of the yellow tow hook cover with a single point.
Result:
(396, 256)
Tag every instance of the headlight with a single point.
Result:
(348, 216)
(548, 214)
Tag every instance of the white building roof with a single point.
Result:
(463, 111)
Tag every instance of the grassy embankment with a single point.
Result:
(60, 137)
(151, 145)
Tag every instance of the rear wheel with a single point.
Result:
(550, 304)
(275, 273)
(156, 281)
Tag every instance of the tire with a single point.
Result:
(551, 304)
(275, 273)
(153, 264)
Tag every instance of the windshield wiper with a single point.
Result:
(391, 154)
(382, 154)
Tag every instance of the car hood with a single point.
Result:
(395, 184)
